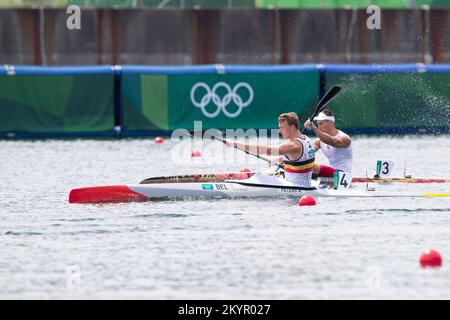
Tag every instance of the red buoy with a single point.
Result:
(307, 200)
(430, 258)
(245, 170)
(196, 153)
(159, 140)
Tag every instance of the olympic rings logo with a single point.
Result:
(221, 103)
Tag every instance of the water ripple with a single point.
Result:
(160, 215)
(79, 219)
(97, 231)
(22, 233)
(353, 211)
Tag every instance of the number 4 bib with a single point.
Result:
(342, 180)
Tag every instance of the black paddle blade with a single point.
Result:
(324, 101)
(327, 98)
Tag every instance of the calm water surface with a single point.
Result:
(220, 249)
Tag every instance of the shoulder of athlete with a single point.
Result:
(345, 138)
(291, 147)
(343, 141)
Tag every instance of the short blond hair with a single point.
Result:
(290, 117)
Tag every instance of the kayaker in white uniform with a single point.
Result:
(297, 153)
(335, 145)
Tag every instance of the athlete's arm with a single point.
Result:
(316, 144)
(340, 142)
(290, 147)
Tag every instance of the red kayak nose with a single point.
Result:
(105, 194)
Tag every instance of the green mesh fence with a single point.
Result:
(59, 104)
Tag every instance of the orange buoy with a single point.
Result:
(430, 258)
(159, 140)
(307, 200)
(196, 153)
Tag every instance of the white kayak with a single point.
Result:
(256, 186)
(222, 176)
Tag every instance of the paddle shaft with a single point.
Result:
(279, 166)
(236, 147)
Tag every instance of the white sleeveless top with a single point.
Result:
(339, 158)
(300, 171)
